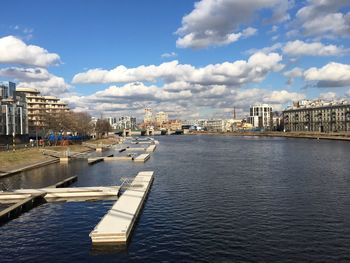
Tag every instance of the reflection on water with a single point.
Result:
(213, 199)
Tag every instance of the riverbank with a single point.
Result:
(311, 135)
(25, 159)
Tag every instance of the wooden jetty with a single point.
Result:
(142, 158)
(117, 224)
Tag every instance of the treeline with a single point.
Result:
(76, 123)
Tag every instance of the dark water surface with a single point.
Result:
(214, 199)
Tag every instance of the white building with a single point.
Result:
(13, 111)
(161, 118)
(125, 122)
(215, 125)
(261, 116)
(148, 117)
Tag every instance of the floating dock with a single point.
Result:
(117, 224)
(151, 148)
(97, 159)
(65, 182)
(63, 194)
(20, 207)
(142, 158)
(118, 158)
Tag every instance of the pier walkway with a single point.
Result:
(117, 224)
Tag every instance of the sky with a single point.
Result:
(192, 59)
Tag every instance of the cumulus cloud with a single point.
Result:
(292, 74)
(328, 95)
(183, 103)
(169, 55)
(331, 75)
(14, 51)
(52, 86)
(25, 74)
(217, 23)
(238, 72)
(324, 19)
(301, 48)
(38, 78)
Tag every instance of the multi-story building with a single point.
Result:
(38, 106)
(13, 111)
(261, 116)
(148, 117)
(317, 116)
(173, 125)
(112, 120)
(125, 122)
(215, 125)
(161, 118)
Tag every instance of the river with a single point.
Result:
(214, 198)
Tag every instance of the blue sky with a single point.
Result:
(192, 59)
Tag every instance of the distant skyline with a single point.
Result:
(192, 59)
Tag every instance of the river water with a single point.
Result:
(222, 199)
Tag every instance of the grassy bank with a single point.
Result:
(10, 160)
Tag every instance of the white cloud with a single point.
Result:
(15, 51)
(217, 23)
(328, 95)
(25, 74)
(301, 48)
(292, 74)
(282, 97)
(169, 55)
(347, 93)
(331, 75)
(38, 78)
(323, 19)
(239, 72)
(52, 86)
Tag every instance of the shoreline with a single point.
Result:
(280, 135)
(48, 159)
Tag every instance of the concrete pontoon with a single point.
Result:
(117, 224)
(142, 158)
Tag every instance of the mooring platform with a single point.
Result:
(142, 158)
(63, 194)
(117, 224)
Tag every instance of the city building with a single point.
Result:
(317, 116)
(38, 106)
(125, 122)
(112, 121)
(173, 125)
(261, 116)
(161, 118)
(13, 111)
(215, 125)
(148, 117)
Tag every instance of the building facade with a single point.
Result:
(215, 125)
(125, 122)
(161, 118)
(13, 111)
(148, 117)
(317, 116)
(38, 106)
(261, 116)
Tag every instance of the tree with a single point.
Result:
(102, 127)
